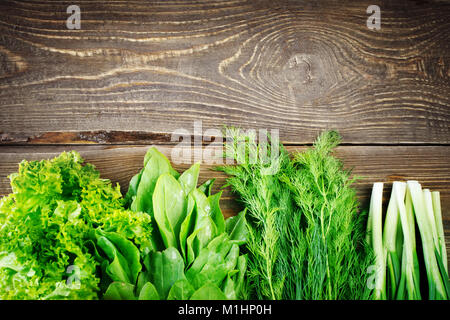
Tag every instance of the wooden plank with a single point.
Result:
(429, 165)
(138, 70)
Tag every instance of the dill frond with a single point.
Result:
(306, 235)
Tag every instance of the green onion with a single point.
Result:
(409, 282)
(435, 196)
(396, 258)
(375, 232)
(436, 287)
(392, 238)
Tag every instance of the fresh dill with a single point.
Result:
(306, 234)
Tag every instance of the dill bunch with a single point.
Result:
(336, 258)
(266, 200)
(306, 236)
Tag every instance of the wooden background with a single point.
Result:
(138, 70)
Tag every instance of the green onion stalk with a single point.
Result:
(394, 246)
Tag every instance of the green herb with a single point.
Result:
(306, 237)
(268, 202)
(336, 261)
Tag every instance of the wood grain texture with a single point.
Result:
(430, 165)
(137, 70)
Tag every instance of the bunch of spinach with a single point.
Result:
(194, 252)
(306, 236)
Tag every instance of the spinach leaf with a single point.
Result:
(132, 189)
(189, 178)
(154, 153)
(148, 292)
(181, 290)
(119, 291)
(206, 187)
(164, 269)
(214, 262)
(169, 209)
(216, 213)
(229, 288)
(123, 255)
(193, 247)
(206, 227)
(236, 228)
(187, 227)
(209, 292)
(240, 277)
(156, 164)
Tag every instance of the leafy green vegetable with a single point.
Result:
(195, 252)
(206, 187)
(334, 229)
(164, 269)
(169, 208)
(236, 228)
(208, 292)
(48, 227)
(148, 292)
(214, 262)
(189, 178)
(119, 291)
(216, 213)
(181, 290)
(122, 254)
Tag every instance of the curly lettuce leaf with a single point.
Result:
(46, 229)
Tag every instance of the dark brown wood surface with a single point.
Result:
(151, 67)
(138, 70)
